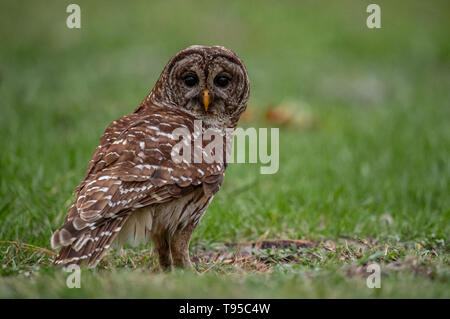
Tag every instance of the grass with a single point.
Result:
(368, 183)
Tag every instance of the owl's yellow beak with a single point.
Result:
(206, 99)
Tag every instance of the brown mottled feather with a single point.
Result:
(117, 181)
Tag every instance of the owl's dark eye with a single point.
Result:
(190, 80)
(221, 81)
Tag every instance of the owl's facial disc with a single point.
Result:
(210, 83)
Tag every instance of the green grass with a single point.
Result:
(375, 168)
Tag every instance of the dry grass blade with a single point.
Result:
(28, 246)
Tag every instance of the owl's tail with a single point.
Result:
(91, 245)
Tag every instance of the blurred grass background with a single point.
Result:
(375, 165)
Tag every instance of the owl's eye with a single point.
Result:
(190, 80)
(221, 81)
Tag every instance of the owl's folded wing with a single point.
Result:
(133, 168)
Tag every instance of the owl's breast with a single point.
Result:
(166, 217)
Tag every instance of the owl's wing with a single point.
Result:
(131, 168)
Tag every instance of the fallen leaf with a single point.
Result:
(291, 113)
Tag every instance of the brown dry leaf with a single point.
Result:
(291, 113)
(247, 116)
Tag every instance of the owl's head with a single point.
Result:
(210, 83)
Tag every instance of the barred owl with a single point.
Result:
(133, 190)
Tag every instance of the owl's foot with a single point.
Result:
(162, 249)
(164, 267)
(173, 251)
(178, 260)
(179, 247)
(182, 260)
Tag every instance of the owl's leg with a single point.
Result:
(179, 246)
(162, 248)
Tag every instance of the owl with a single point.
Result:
(134, 191)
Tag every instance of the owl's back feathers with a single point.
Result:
(130, 169)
